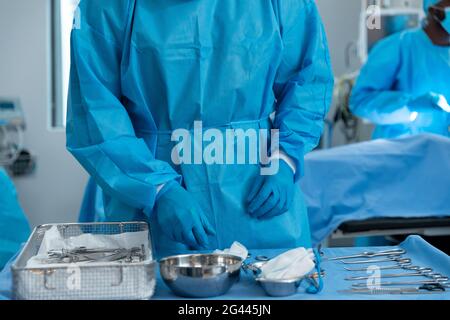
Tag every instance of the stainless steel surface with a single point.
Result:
(277, 288)
(280, 288)
(254, 267)
(104, 280)
(369, 254)
(200, 275)
(388, 259)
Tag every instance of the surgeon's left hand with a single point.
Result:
(272, 196)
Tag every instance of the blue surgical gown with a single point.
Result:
(14, 227)
(401, 68)
(141, 69)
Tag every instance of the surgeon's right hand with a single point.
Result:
(181, 218)
(429, 102)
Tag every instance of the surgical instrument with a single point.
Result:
(388, 259)
(422, 273)
(368, 254)
(425, 289)
(405, 266)
(443, 283)
(83, 254)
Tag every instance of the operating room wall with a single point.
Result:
(53, 193)
(341, 18)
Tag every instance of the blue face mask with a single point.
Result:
(446, 22)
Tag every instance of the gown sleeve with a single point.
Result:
(100, 133)
(304, 83)
(374, 96)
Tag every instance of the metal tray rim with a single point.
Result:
(16, 268)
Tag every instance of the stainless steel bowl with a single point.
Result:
(280, 288)
(200, 275)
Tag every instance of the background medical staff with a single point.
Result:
(142, 69)
(405, 86)
(14, 227)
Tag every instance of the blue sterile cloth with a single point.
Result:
(421, 253)
(406, 177)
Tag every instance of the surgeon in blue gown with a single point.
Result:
(404, 88)
(142, 69)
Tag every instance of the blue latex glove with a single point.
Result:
(272, 196)
(428, 102)
(181, 218)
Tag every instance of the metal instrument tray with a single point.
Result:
(101, 281)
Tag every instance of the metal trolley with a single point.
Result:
(102, 281)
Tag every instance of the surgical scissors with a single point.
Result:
(369, 254)
(388, 259)
(424, 272)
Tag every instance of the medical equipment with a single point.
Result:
(255, 268)
(422, 273)
(377, 18)
(425, 289)
(404, 265)
(102, 280)
(280, 288)
(442, 282)
(288, 285)
(369, 254)
(12, 126)
(200, 275)
(83, 254)
(388, 259)
(350, 126)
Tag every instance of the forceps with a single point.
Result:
(401, 265)
(424, 272)
(388, 259)
(428, 288)
(368, 254)
(443, 282)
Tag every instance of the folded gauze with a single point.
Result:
(236, 249)
(292, 264)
